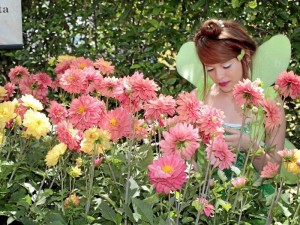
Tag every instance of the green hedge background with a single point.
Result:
(145, 35)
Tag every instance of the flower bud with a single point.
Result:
(276, 87)
(74, 172)
(72, 200)
(239, 182)
(98, 161)
(79, 162)
(254, 109)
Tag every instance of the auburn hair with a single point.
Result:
(218, 41)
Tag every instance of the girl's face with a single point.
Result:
(226, 75)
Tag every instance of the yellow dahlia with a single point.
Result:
(293, 166)
(95, 141)
(36, 123)
(7, 112)
(74, 171)
(63, 58)
(72, 200)
(54, 154)
(2, 138)
(30, 102)
(3, 93)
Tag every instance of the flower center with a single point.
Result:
(82, 66)
(113, 122)
(247, 96)
(71, 78)
(167, 169)
(33, 86)
(81, 109)
(181, 145)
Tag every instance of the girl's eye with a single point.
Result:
(226, 66)
(209, 69)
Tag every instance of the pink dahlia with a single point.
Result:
(68, 135)
(10, 90)
(118, 123)
(188, 107)
(182, 140)
(57, 112)
(123, 93)
(17, 73)
(108, 87)
(160, 107)
(93, 78)
(270, 170)
(207, 208)
(287, 154)
(81, 63)
(31, 85)
(86, 111)
(247, 92)
(167, 174)
(210, 120)
(140, 129)
(142, 89)
(239, 182)
(44, 79)
(272, 114)
(104, 67)
(289, 84)
(61, 67)
(219, 154)
(73, 81)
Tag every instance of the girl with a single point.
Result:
(225, 50)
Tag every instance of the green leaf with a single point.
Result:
(154, 23)
(149, 157)
(128, 213)
(252, 4)
(107, 212)
(286, 211)
(144, 208)
(134, 188)
(235, 3)
(172, 81)
(10, 220)
(153, 199)
(55, 218)
(224, 204)
(135, 66)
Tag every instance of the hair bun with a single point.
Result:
(211, 28)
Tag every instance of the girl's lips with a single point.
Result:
(223, 84)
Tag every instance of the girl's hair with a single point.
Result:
(218, 41)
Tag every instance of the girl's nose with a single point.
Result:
(219, 73)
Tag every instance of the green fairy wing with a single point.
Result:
(271, 58)
(188, 64)
(190, 67)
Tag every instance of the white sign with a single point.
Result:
(11, 36)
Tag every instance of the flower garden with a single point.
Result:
(84, 147)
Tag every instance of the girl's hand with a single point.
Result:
(232, 138)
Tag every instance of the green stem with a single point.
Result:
(274, 202)
(21, 156)
(179, 208)
(62, 177)
(89, 193)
